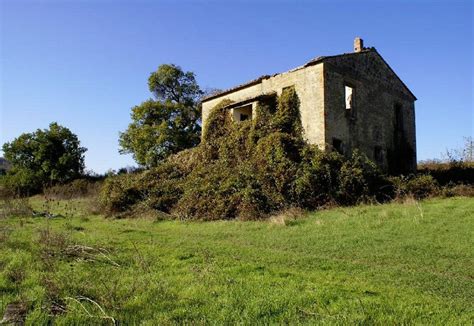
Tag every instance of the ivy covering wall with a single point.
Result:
(246, 170)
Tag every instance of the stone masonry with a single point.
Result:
(347, 102)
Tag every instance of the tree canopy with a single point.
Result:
(168, 123)
(44, 157)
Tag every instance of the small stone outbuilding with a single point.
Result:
(348, 101)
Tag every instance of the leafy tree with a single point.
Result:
(44, 157)
(167, 124)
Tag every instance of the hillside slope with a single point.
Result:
(396, 263)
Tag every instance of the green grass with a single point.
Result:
(408, 263)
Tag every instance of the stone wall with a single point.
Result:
(371, 125)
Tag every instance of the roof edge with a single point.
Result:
(236, 88)
(312, 62)
(393, 71)
(249, 100)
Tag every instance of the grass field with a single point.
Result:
(410, 263)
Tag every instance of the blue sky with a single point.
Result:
(84, 64)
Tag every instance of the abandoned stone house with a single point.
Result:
(348, 101)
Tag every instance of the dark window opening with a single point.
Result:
(337, 145)
(243, 113)
(398, 117)
(244, 117)
(401, 160)
(378, 154)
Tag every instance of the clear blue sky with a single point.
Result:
(84, 64)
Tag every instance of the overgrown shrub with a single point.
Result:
(247, 170)
(419, 186)
(358, 178)
(119, 193)
(15, 207)
(159, 187)
(21, 182)
(452, 190)
(5, 193)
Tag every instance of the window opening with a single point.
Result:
(378, 154)
(349, 96)
(337, 145)
(243, 113)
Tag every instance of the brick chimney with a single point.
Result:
(358, 44)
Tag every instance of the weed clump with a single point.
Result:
(78, 188)
(246, 170)
(417, 186)
(15, 207)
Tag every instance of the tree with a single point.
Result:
(44, 157)
(167, 124)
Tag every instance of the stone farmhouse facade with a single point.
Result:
(347, 102)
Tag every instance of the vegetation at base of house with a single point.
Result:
(246, 170)
(42, 158)
(398, 263)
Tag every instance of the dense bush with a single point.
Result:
(120, 193)
(418, 186)
(452, 190)
(22, 182)
(247, 170)
(159, 188)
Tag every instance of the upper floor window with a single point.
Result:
(349, 96)
(398, 117)
(243, 113)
